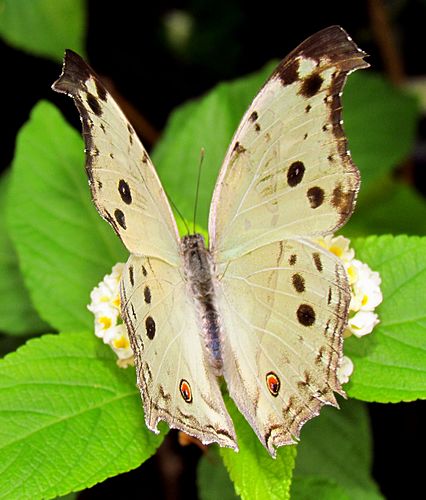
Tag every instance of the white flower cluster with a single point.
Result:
(105, 305)
(365, 295)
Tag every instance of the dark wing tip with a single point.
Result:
(335, 42)
(74, 71)
(332, 42)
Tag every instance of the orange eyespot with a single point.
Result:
(273, 383)
(185, 390)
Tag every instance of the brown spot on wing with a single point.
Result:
(295, 173)
(306, 315)
(150, 327)
(315, 196)
(317, 261)
(298, 282)
(238, 148)
(100, 90)
(288, 71)
(93, 104)
(343, 201)
(292, 260)
(311, 85)
(124, 190)
(147, 295)
(120, 218)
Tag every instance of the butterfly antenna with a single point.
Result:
(173, 204)
(202, 152)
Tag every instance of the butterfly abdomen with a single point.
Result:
(198, 267)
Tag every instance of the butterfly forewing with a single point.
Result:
(173, 373)
(283, 309)
(287, 172)
(125, 187)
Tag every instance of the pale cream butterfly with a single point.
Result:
(264, 306)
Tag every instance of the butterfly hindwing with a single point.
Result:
(125, 187)
(288, 172)
(283, 310)
(173, 372)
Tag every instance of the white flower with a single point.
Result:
(339, 245)
(345, 370)
(105, 318)
(362, 323)
(365, 295)
(118, 339)
(105, 305)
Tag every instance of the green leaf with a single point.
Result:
(337, 446)
(320, 488)
(213, 479)
(63, 245)
(390, 363)
(69, 417)
(252, 470)
(207, 123)
(373, 112)
(43, 27)
(17, 315)
(388, 209)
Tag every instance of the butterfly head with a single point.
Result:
(197, 260)
(193, 242)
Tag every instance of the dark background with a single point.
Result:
(127, 43)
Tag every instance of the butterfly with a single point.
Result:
(263, 306)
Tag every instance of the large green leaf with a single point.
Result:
(320, 488)
(205, 123)
(69, 417)
(380, 121)
(390, 363)
(43, 27)
(337, 446)
(388, 209)
(17, 315)
(254, 473)
(64, 247)
(373, 112)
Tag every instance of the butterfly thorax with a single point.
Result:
(199, 275)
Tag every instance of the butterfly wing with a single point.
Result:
(173, 375)
(288, 172)
(125, 187)
(283, 308)
(173, 372)
(283, 300)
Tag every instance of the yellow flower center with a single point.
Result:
(121, 343)
(105, 322)
(338, 251)
(364, 300)
(352, 274)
